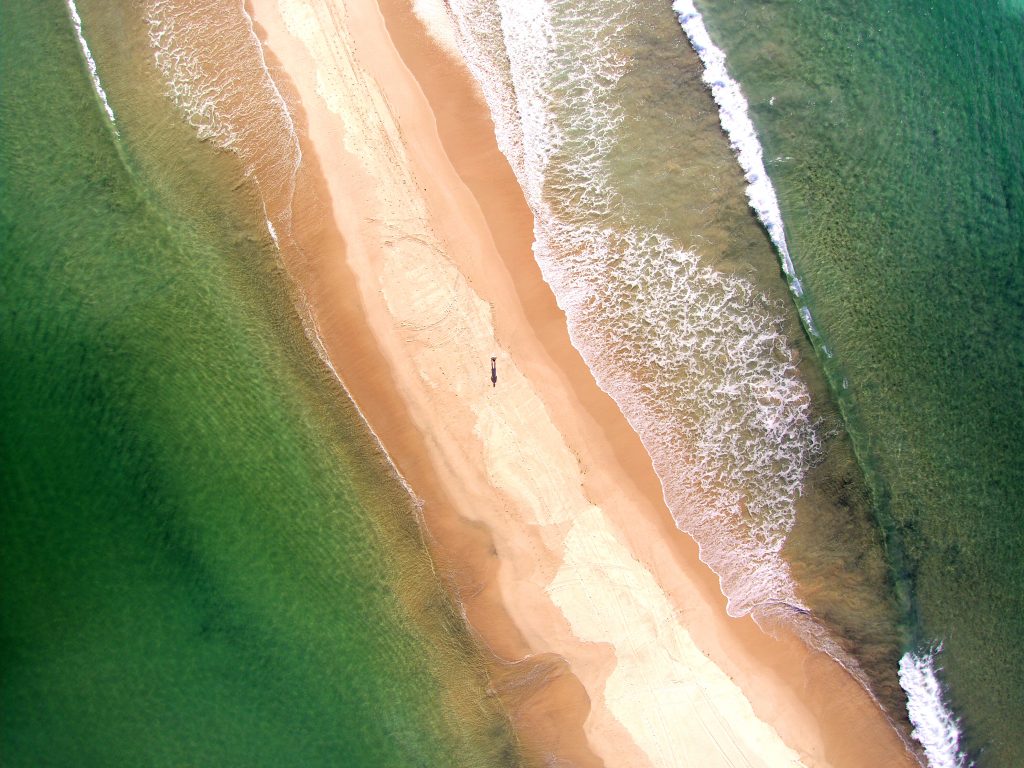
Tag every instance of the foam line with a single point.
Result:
(212, 63)
(733, 113)
(935, 726)
(659, 309)
(90, 62)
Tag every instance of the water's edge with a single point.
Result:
(935, 726)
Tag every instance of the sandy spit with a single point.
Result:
(540, 504)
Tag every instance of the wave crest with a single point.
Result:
(935, 727)
(94, 74)
(696, 359)
(735, 119)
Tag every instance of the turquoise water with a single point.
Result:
(894, 134)
(205, 559)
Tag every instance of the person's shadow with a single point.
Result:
(494, 371)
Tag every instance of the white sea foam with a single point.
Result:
(696, 359)
(241, 109)
(935, 727)
(212, 63)
(732, 111)
(435, 18)
(91, 64)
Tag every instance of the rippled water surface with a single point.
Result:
(205, 559)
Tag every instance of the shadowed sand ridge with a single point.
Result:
(540, 502)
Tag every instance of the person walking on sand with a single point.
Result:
(494, 371)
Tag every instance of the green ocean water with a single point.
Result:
(204, 559)
(894, 134)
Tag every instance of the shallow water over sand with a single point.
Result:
(206, 558)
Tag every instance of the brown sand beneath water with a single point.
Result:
(539, 500)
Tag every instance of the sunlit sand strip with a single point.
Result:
(434, 290)
(675, 704)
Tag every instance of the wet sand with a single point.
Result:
(540, 503)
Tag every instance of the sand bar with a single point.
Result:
(539, 499)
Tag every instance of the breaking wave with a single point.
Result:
(696, 359)
(735, 119)
(91, 64)
(935, 727)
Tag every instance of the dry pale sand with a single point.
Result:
(539, 500)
